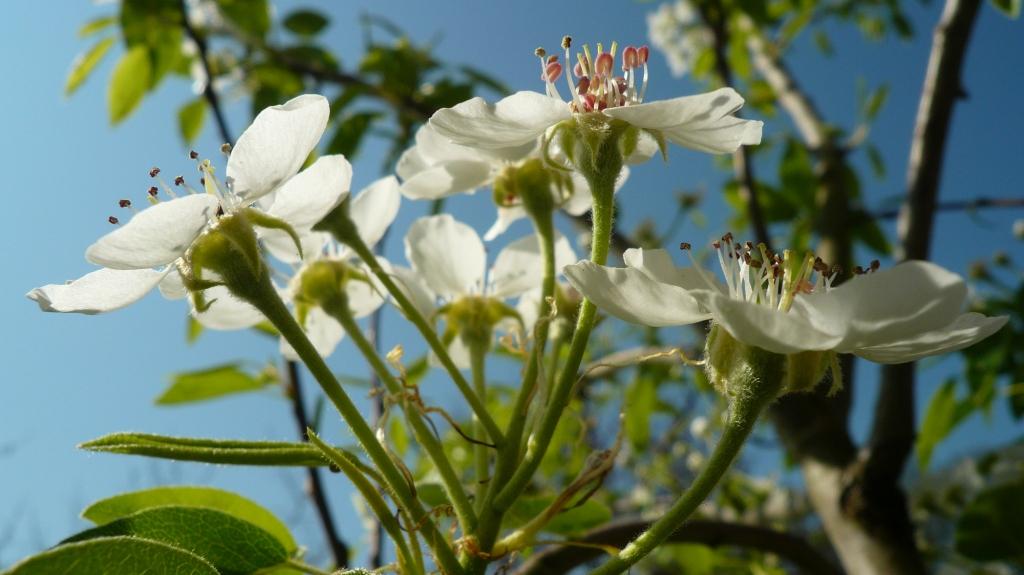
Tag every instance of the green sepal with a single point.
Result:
(659, 138)
(629, 141)
(265, 220)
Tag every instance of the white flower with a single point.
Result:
(896, 315)
(702, 122)
(436, 168)
(449, 266)
(139, 255)
(676, 30)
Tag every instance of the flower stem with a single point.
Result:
(424, 436)
(265, 298)
(759, 392)
(440, 350)
(478, 358)
(375, 501)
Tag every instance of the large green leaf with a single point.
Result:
(1010, 8)
(228, 543)
(190, 119)
(125, 504)
(305, 22)
(250, 16)
(224, 451)
(211, 383)
(943, 414)
(129, 83)
(115, 556)
(85, 64)
(991, 526)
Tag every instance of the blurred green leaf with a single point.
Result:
(148, 21)
(875, 101)
(226, 451)
(305, 22)
(115, 556)
(85, 63)
(823, 43)
(943, 414)
(876, 160)
(96, 25)
(210, 383)
(642, 398)
(250, 16)
(228, 543)
(190, 119)
(990, 527)
(1010, 8)
(125, 504)
(128, 84)
(348, 136)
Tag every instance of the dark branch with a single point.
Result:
(796, 550)
(209, 92)
(956, 206)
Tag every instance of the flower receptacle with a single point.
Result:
(231, 252)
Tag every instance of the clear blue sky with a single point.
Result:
(67, 379)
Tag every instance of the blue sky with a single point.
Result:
(67, 379)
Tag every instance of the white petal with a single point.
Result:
(514, 121)
(157, 236)
(506, 217)
(415, 289)
(722, 136)
(435, 149)
(582, 199)
(276, 145)
(97, 292)
(658, 265)
(324, 332)
(765, 327)
(646, 148)
(282, 246)
(446, 179)
(965, 331)
(366, 298)
(410, 163)
(226, 312)
(306, 198)
(173, 286)
(633, 296)
(518, 268)
(448, 255)
(457, 351)
(375, 208)
(890, 305)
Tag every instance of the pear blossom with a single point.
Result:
(437, 168)
(897, 315)
(449, 268)
(141, 254)
(704, 122)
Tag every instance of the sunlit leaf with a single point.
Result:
(115, 556)
(128, 84)
(214, 382)
(85, 63)
(190, 119)
(226, 451)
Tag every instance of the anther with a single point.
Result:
(540, 52)
(630, 59)
(124, 203)
(643, 52)
(180, 180)
(566, 42)
(154, 172)
(225, 149)
(875, 264)
(685, 246)
(604, 64)
(153, 191)
(858, 271)
(112, 220)
(192, 154)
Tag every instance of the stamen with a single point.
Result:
(193, 155)
(124, 203)
(112, 220)
(153, 172)
(225, 149)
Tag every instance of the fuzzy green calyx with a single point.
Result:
(529, 184)
(473, 319)
(739, 370)
(323, 284)
(231, 251)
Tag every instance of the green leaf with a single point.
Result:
(128, 84)
(349, 134)
(990, 527)
(212, 383)
(250, 16)
(190, 119)
(875, 102)
(193, 329)
(85, 63)
(228, 543)
(823, 43)
(305, 22)
(96, 25)
(225, 451)
(942, 415)
(1009, 8)
(115, 556)
(876, 161)
(125, 504)
(572, 521)
(642, 400)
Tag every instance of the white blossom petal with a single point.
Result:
(965, 331)
(658, 265)
(646, 148)
(366, 298)
(173, 286)
(375, 208)
(225, 311)
(513, 121)
(765, 327)
(275, 146)
(631, 295)
(282, 246)
(448, 254)
(435, 149)
(721, 136)
(506, 217)
(415, 289)
(308, 196)
(446, 179)
(156, 236)
(97, 292)
(582, 199)
(324, 332)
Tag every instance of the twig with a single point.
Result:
(955, 206)
(560, 560)
(894, 431)
(337, 545)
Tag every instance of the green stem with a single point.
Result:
(478, 358)
(304, 567)
(758, 392)
(374, 500)
(270, 304)
(424, 436)
(424, 327)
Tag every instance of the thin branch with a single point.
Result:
(894, 431)
(796, 550)
(955, 206)
(209, 92)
